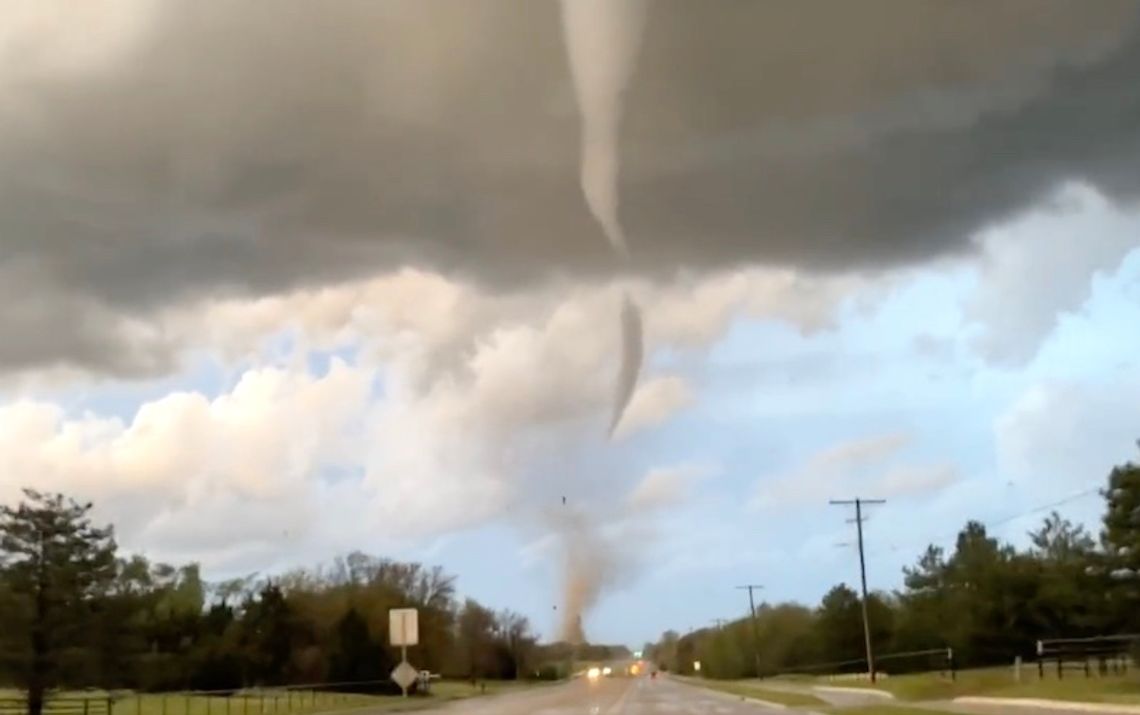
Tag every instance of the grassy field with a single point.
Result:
(885, 710)
(755, 689)
(998, 682)
(272, 702)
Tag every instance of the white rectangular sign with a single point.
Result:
(403, 626)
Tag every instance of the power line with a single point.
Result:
(1004, 520)
(755, 628)
(1045, 507)
(862, 571)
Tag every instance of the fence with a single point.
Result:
(294, 699)
(1098, 655)
(931, 660)
(940, 660)
(59, 706)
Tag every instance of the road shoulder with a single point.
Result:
(1047, 704)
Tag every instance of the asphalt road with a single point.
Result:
(645, 696)
(608, 696)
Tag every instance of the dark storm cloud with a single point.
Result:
(248, 147)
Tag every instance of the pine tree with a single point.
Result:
(54, 565)
(1120, 540)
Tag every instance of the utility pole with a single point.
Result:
(862, 571)
(755, 628)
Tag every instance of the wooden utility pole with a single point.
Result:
(859, 503)
(755, 626)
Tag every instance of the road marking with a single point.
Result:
(619, 704)
(1060, 705)
(873, 692)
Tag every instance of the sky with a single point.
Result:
(279, 285)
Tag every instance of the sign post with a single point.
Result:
(404, 630)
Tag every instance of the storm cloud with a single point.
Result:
(240, 149)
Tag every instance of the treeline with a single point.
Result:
(76, 613)
(985, 599)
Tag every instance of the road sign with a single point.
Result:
(403, 626)
(404, 675)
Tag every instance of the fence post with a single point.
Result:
(138, 703)
(228, 698)
(1060, 668)
(164, 696)
(209, 704)
(1040, 669)
(85, 703)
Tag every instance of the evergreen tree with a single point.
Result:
(55, 565)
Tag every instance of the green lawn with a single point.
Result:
(459, 689)
(884, 710)
(275, 702)
(998, 682)
(755, 689)
(270, 702)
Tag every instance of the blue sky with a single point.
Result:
(899, 367)
(261, 318)
(771, 397)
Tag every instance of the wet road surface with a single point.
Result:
(608, 696)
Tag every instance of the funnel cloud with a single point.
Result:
(602, 39)
(824, 137)
(632, 354)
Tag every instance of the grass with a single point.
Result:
(275, 702)
(749, 689)
(884, 710)
(998, 682)
(461, 689)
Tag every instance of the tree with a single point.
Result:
(841, 625)
(475, 639)
(54, 564)
(269, 632)
(1120, 542)
(517, 641)
(1061, 542)
(356, 657)
(664, 653)
(1066, 602)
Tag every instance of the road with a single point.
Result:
(645, 696)
(608, 696)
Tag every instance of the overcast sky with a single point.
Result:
(279, 282)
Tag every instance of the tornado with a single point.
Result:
(602, 40)
(590, 565)
(632, 353)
